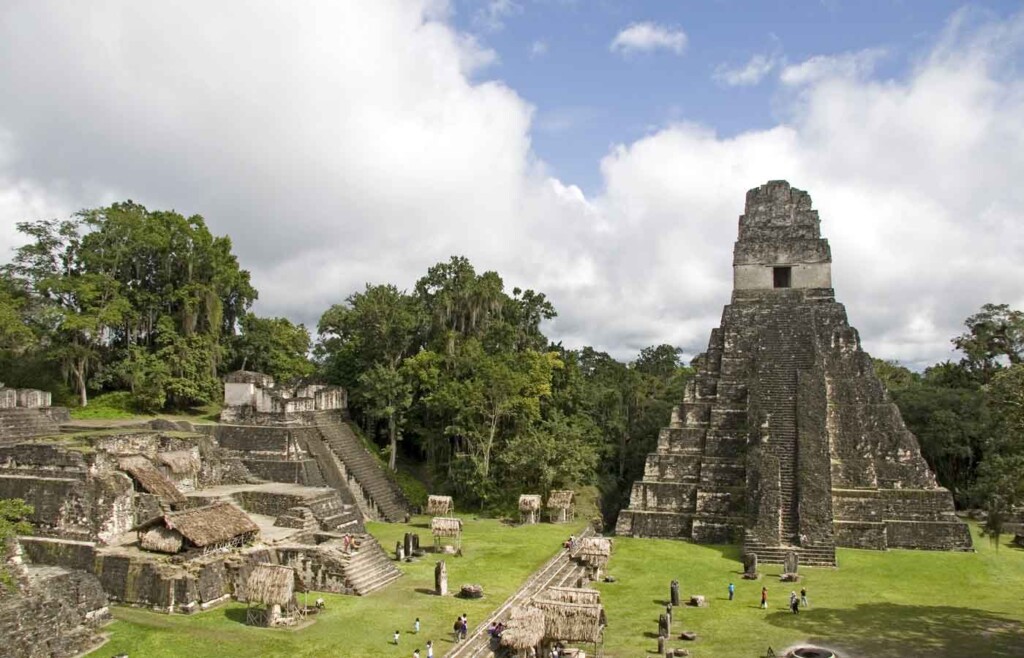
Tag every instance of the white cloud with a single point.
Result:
(858, 64)
(538, 49)
(647, 37)
(747, 75)
(333, 157)
(492, 15)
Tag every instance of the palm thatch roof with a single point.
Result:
(529, 503)
(205, 526)
(570, 595)
(445, 527)
(160, 539)
(151, 480)
(572, 622)
(525, 628)
(179, 461)
(440, 505)
(270, 584)
(594, 550)
(561, 499)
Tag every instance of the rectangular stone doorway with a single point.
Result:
(781, 276)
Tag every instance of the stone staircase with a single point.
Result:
(809, 556)
(378, 489)
(368, 568)
(334, 515)
(23, 423)
(300, 518)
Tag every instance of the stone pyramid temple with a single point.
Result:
(786, 439)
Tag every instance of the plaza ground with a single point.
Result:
(876, 605)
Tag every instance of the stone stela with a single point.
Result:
(786, 439)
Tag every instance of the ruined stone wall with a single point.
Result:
(57, 614)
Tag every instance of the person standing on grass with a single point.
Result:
(794, 603)
(430, 649)
(416, 625)
(416, 654)
(458, 628)
(732, 591)
(803, 597)
(397, 635)
(764, 598)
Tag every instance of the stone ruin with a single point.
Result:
(254, 398)
(175, 520)
(26, 412)
(786, 439)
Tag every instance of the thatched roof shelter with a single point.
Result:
(595, 551)
(271, 584)
(572, 622)
(179, 462)
(202, 527)
(570, 595)
(440, 505)
(529, 503)
(525, 628)
(561, 499)
(160, 539)
(445, 527)
(150, 479)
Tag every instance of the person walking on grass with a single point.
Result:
(397, 635)
(416, 625)
(416, 654)
(732, 591)
(430, 649)
(794, 603)
(764, 598)
(803, 597)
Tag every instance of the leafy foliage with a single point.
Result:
(14, 513)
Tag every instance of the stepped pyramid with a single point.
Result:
(786, 439)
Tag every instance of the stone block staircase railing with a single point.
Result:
(377, 489)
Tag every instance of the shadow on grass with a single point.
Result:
(235, 614)
(887, 630)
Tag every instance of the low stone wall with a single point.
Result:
(56, 615)
(301, 471)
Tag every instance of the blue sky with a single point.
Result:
(598, 151)
(588, 97)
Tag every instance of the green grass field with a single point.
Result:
(497, 556)
(876, 605)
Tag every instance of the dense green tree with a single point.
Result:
(994, 337)
(1000, 484)
(273, 346)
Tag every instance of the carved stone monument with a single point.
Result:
(673, 591)
(786, 439)
(750, 566)
(441, 578)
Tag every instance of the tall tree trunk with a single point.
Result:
(83, 398)
(393, 442)
(490, 444)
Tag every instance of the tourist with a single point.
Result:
(764, 598)
(320, 605)
(416, 653)
(794, 603)
(457, 627)
(732, 591)
(416, 625)
(397, 634)
(803, 597)
(430, 649)
(465, 625)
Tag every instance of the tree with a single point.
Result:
(1000, 482)
(388, 397)
(994, 336)
(273, 346)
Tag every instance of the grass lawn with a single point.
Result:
(876, 605)
(496, 556)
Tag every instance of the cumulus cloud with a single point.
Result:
(492, 15)
(749, 74)
(333, 158)
(820, 67)
(648, 37)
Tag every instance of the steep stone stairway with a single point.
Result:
(376, 487)
(368, 568)
(22, 423)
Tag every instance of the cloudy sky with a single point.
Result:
(598, 150)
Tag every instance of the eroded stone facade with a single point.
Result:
(786, 439)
